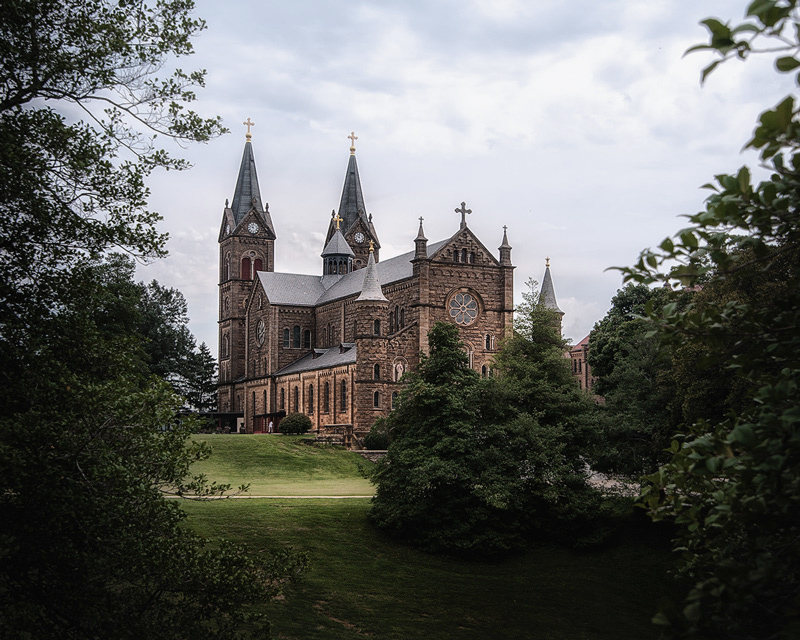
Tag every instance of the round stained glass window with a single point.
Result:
(463, 308)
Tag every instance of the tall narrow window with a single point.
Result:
(283, 400)
(227, 274)
(488, 342)
(258, 265)
(394, 399)
(343, 394)
(326, 399)
(376, 371)
(455, 255)
(286, 338)
(246, 273)
(311, 398)
(306, 339)
(463, 255)
(376, 400)
(402, 318)
(296, 402)
(483, 371)
(376, 327)
(296, 337)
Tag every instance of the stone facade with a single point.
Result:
(335, 345)
(581, 370)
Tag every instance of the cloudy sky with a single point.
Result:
(579, 125)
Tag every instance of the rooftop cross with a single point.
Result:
(547, 262)
(463, 211)
(337, 219)
(248, 124)
(353, 137)
(371, 246)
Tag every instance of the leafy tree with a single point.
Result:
(201, 380)
(733, 482)
(635, 377)
(477, 466)
(89, 546)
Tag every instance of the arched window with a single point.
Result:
(283, 400)
(376, 400)
(488, 342)
(463, 255)
(376, 371)
(394, 399)
(246, 273)
(376, 327)
(226, 346)
(483, 371)
(227, 274)
(311, 398)
(402, 318)
(326, 399)
(306, 339)
(286, 338)
(455, 255)
(343, 396)
(296, 337)
(296, 401)
(258, 265)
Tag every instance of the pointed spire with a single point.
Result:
(337, 246)
(247, 195)
(547, 296)
(421, 233)
(420, 243)
(505, 248)
(351, 206)
(371, 289)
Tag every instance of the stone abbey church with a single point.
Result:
(334, 345)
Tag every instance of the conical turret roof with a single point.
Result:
(337, 246)
(351, 206)
(371, 289)
(548, 294)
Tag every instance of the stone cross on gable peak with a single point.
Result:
(463, 211)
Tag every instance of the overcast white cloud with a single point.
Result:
(578, 125)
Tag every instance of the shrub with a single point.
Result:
(295, 423)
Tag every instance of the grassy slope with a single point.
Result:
(278, 465)
(363, 584)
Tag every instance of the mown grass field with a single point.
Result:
(279, 465)
(364, 585)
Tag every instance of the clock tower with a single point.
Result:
(246, 246)
(352, 220)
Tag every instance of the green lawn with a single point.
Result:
(279, 465)
(362, 584)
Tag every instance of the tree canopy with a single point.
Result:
(732, 484)
(89, 439)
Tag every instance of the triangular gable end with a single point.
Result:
(253, 216)
(228, 224)
(458, 241)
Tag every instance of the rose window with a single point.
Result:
(463, 308)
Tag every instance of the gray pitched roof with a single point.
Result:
(333, 357)
(309, 291)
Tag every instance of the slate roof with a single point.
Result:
(332, 357)
(351, 206)
(247, 195)
(337, 246)
(548, 294)
(308, 291)
(371, 289)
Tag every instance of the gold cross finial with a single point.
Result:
(371, 246)
(248, 124)
(547, 262)
(337, 219)
(353, 137)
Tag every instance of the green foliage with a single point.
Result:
(89, 443)
(475, 467)
(732, 483)
(295, 423)
(639, 417)
(378, 436)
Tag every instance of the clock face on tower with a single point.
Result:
(359, 237)
(252, 227)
